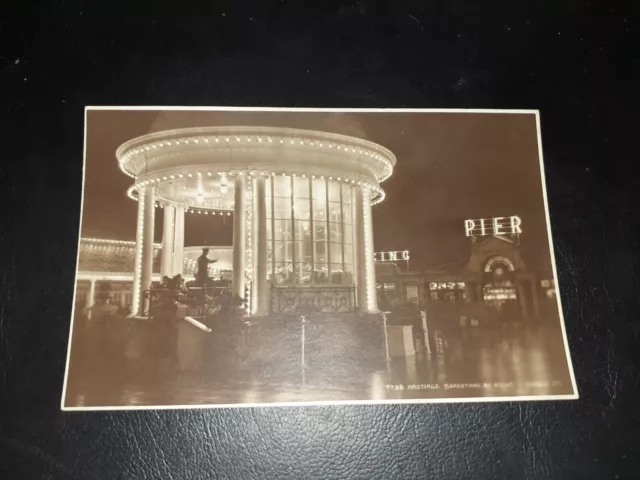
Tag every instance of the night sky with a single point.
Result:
(450, 167)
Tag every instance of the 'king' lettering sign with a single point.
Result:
(493, 226)
(391, 256)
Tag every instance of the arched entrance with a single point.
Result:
(499, 284)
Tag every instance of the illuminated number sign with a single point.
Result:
(493, 226)
(447, 286)
(391, 256)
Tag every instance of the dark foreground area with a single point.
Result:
(119, 362)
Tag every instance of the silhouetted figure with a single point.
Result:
(202, 274)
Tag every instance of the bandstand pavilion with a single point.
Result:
(301, 202)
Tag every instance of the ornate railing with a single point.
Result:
(322, 299)
(202, 301)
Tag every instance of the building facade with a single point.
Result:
(494, 275)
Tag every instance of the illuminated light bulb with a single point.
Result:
(180, 175)
(195, 141)
(209, 173)
(217, 140)
(172, 177)
(226, 139)
(206, 140)
(190, 175)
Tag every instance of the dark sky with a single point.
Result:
(450, 167)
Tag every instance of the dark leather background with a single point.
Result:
(573, 60)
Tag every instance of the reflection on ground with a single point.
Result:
(113, 365)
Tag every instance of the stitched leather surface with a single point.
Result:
(574, 62)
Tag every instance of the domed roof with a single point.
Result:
(333, 122)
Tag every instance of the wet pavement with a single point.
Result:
(135, 363)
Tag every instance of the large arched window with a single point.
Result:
(309, 231)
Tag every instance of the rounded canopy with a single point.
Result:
(196, 166)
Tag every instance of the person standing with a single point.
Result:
(202, 274)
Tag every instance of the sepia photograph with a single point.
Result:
(271, 256)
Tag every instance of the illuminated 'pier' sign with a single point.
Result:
(493, 226)
(391, 256)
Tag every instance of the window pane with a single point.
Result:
(348, 275)
(347, 214)
(319, 189)
(320, 232)
(321, 274)
(282, 187)
(346, 194)
(303, 230)
(348, 266)
(348, 235)
(335, 214)
(300, 187)
(335, 251)
(320, 251)
(334, 192)
(282, 230)
(335, 232)
(337, 275)
(284, 273)
(303, 273)
(319, 200)
(303, 251)
(283, 252)
(282, 208)
(301, 209)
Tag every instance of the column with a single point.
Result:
(239, 238)
(146, 274)
(137, 267)
(91, 297)
(168, 235)
(522, 300)
(366, 287)
(261, 284)
(534, 295)
(178, 241)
